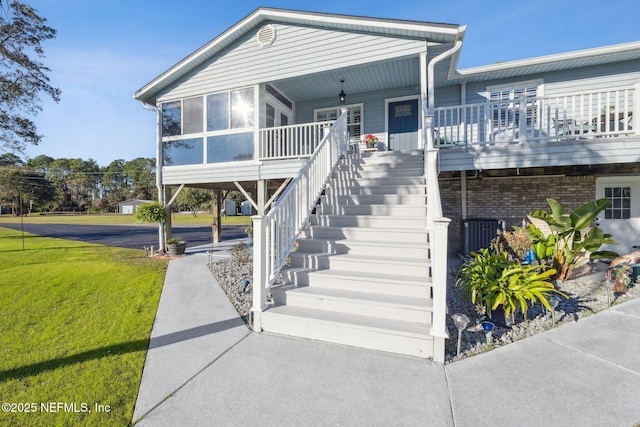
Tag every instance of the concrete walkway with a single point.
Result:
(204, 367)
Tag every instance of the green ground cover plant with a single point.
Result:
(74, 330)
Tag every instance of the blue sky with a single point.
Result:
(105, 50)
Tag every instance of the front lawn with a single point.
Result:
(75, 321)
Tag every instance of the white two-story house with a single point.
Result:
(350, 242)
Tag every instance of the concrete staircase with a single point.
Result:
(361, 274)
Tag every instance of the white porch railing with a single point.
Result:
(275, 233)
(438, 227)
(584, 115)
(292, 141)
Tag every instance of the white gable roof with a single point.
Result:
(430, 32)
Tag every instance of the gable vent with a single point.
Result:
(266, 35)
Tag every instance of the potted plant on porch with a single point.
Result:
(371, 140)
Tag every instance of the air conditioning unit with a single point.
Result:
(478, 233)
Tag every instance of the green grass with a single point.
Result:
(75, 321)
(114, 219)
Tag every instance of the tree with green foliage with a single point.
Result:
(23, 78)
(194, 200)
(76, 183)
(114, 184)
(140, 174)
(23, 188)
(41, 163)
(10, 159)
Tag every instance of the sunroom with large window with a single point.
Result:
(215, 128)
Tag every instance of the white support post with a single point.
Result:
(424, 96)
(463, 194)
(305, 202)
(259, 271)
(522, 124)
(434, 206)
(463, 118)
(168, 224)
(428, 130)
(636, 109)
(439, 285)
(260, 256)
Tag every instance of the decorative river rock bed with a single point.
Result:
(587, 295)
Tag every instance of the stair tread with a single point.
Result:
(413, 245)
(383, 259)
(373, 277)
(399, 327)
(379, 229)
(413, 303)
(397, 217)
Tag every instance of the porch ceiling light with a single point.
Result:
(342, 96)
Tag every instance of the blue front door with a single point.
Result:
(403, 125)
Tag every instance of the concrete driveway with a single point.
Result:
(127, 236)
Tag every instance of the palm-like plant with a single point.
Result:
(568, 246)
(480, 273)
(490, 280)
(519, 286)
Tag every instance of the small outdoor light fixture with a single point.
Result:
(148, 251)
(342, 96)
(553, 302)
(460, 321)
(488, 327)
(609, 285)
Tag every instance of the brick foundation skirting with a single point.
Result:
(510, 199)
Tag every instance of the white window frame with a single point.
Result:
(632, 182)
(206, 133)
(337, 110)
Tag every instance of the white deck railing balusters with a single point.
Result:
(279, 229)
(581, 115)
(289, 142)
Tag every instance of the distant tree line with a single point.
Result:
(45, 184)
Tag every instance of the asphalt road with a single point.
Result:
(127, 236)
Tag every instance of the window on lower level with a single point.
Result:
(620, 198)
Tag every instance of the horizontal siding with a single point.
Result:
(296, 51)
(373, 107)
(229, 172)
(593, 78)
(505, 156)
(567, 81)
(448, 96)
